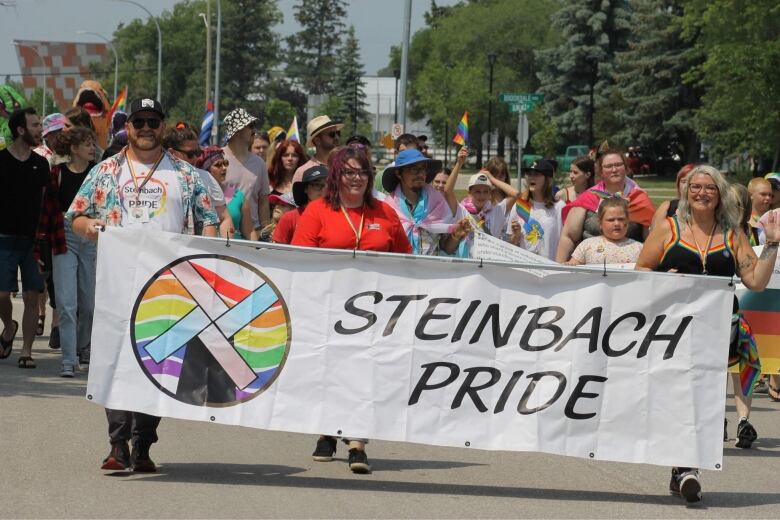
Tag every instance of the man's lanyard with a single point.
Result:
(148, 175)
(359, 231)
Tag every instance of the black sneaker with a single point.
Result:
(746, 434)
(140, 459)
(690, 486)
(118, 458)
(54, 338)
(358, 462)
(725, 430)
(326, 448)
(84, 356)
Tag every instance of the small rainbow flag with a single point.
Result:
(119, 104)
(292, 133)
(462, 135)
(533, 228)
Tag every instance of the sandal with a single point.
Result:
(774, 393)
(26, 362)
(41, 325)
(6, 346)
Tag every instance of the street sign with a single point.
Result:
(397, 130)
(531, 97)
(526, 106)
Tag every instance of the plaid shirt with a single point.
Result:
(51, 224)
(99, 197)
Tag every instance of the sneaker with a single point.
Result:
(326, 448)
(690, 486)
(54, 338)
(140, 460)
(358, 462)
(118, 458)
(84, 356)
(68, 372)
(746, 434)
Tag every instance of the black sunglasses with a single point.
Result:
(139, 122)
(191, 154)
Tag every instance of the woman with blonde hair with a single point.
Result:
(705, 237)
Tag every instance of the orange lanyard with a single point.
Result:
(359, 231)
(146, 179)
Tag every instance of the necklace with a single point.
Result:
(359, 231)
(703, 253)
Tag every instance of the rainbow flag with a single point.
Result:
(462, 136)
(762, 312)
(292, 133)
(533, 228)
(119, 104)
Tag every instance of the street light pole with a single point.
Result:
(207, 20)
(397, 74)
(491, 62)
(405, 62)
(215, 127)
(43, 104)
(116, 57)
(159, 46)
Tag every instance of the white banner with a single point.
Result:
(625, 367)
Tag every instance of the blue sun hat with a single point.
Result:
(407, 158)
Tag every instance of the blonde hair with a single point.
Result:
(728, 212)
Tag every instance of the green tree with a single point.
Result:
(577, 75)
(348, 85)
(183, 66)
(658, 107)
(448, 64)
(740, 109)
(312, 51)
(250, 50)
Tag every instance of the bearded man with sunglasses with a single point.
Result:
(142, 187)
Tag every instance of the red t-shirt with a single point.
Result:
(284, 230)
(322, 226)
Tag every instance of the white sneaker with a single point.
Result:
(690, 486)
(67, 372)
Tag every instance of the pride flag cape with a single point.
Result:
(762, 311)
(462, 135)
(532, 228)
(119, 104)
(292, 133)
(640, 207)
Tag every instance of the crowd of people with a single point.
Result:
(62, 190)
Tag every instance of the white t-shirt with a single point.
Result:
(159, 204)
(495, 219)
(551, 222)
(212, 187)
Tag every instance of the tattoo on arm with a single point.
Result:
(767, 252)
(747, 263)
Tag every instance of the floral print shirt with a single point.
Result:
(99, 198)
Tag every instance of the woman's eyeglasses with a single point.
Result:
(708, 188)
(351, 174)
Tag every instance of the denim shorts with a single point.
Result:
(16, 254)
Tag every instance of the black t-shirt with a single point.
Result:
(21, 192)
(70, 182)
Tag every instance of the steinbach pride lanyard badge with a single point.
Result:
(359, 231)
(138, 211)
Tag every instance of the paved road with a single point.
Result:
(52, 441)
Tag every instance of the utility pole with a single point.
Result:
(404, 63)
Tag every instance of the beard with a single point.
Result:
(145, 142)
(30, 140)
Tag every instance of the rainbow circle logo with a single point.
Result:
(210, 330)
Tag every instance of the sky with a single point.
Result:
(378, 23)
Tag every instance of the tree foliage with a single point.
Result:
(348, 84)
(312, 50)
(657, 107)
(582, 65)
(448, 64)
(741, 105)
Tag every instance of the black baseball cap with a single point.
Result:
(144, 104)
(542, 166)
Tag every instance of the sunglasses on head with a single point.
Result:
(153, 122)
(191, 154)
